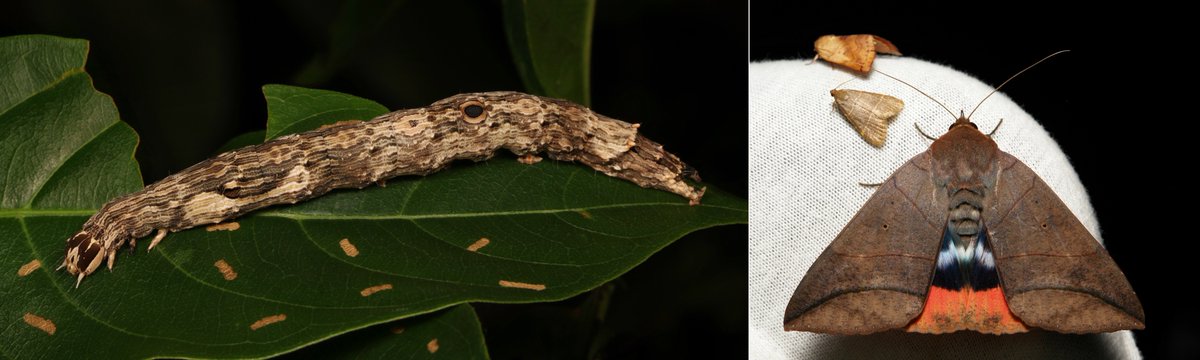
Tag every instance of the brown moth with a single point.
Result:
(869, 113)
(351, 154)
(855, 52)
(964, 237)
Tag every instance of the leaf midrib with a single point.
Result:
(23, 213)
(303, 216)
(87, 314)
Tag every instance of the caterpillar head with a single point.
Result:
(84, 254)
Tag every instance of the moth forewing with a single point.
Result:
(867, 112)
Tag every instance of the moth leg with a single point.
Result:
(870, 184)
(382, 182)
(157, 237)
(529, 159)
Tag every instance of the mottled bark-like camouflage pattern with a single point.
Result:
(419, 141)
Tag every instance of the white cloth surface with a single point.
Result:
(806, 164)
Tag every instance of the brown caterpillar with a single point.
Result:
(419, 141)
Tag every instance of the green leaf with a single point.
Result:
(551, 43)
(453, 333)
(356, 21)
(295, 109)
(243, 140)
(48, 112)
(555, 224)
(64, 152)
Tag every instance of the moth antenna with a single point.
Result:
(843, 83)
(922, 93)
(923, 132)
(1010, 79)
(996, 128)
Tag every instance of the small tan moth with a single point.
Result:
(869, 113)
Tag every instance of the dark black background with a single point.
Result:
(187, 76)
(1118, 104)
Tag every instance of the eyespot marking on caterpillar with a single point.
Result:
(521, 285)
(226, 270)
(296, 167)
(229, 226)
(374, 289)
(267, 321)
(432, 346)
(473, 112)
(28, 268)
(348, 248)
(40, 323)
(478, 244)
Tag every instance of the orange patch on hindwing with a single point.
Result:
(985, 311)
